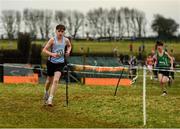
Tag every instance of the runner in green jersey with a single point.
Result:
(164, 63)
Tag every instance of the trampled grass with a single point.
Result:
(89, 106)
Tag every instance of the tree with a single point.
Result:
(111, 17)
(120, 22)
(98, 21)
(60, 17)
(44, 18)
(127, 19)
(18, 21)
(92, 20)
(164, 27)
(11, 22)
(74, 22)
(47, 20)
(41, 23)
(31, 17)
(141, 22)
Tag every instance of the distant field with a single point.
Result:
(122, 46)
(7, 44)
(101, 47)
(89, 107)
(104, 47)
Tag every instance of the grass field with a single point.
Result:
(22, 105)
(101, 47)
(89, 106)
(8, 44)
(122, 47)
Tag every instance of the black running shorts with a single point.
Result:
(52, 68)
(164, 72)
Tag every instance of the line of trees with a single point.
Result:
(95, 23)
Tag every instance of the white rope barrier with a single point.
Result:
(95, 72)
(135, 67)
(144, 96)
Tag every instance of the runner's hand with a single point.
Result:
(67, 53)
(55, 55)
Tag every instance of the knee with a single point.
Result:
(55, 82)
(48, 82)
(164, 80)
(161, 82)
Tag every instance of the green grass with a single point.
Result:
(8, 44)
(122, 47)
(89, 106)
(100, 47)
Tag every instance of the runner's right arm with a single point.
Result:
(47, 47)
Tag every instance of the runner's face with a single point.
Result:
(60, 33)
(160, 48)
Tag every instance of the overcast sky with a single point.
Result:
(168, 8)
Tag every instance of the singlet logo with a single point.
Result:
(162, 62)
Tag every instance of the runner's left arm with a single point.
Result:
(68, 44)
(171, 59)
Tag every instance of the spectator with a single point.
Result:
(132, 70)
(149, 65)
(131, 47)
(143, 47)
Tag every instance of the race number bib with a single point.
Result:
(60, 52)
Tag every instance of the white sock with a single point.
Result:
(50, 98)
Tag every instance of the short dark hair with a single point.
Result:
(60, 27)
(159, 43)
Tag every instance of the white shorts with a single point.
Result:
(150, 67)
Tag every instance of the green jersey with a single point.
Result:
(163, 60)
